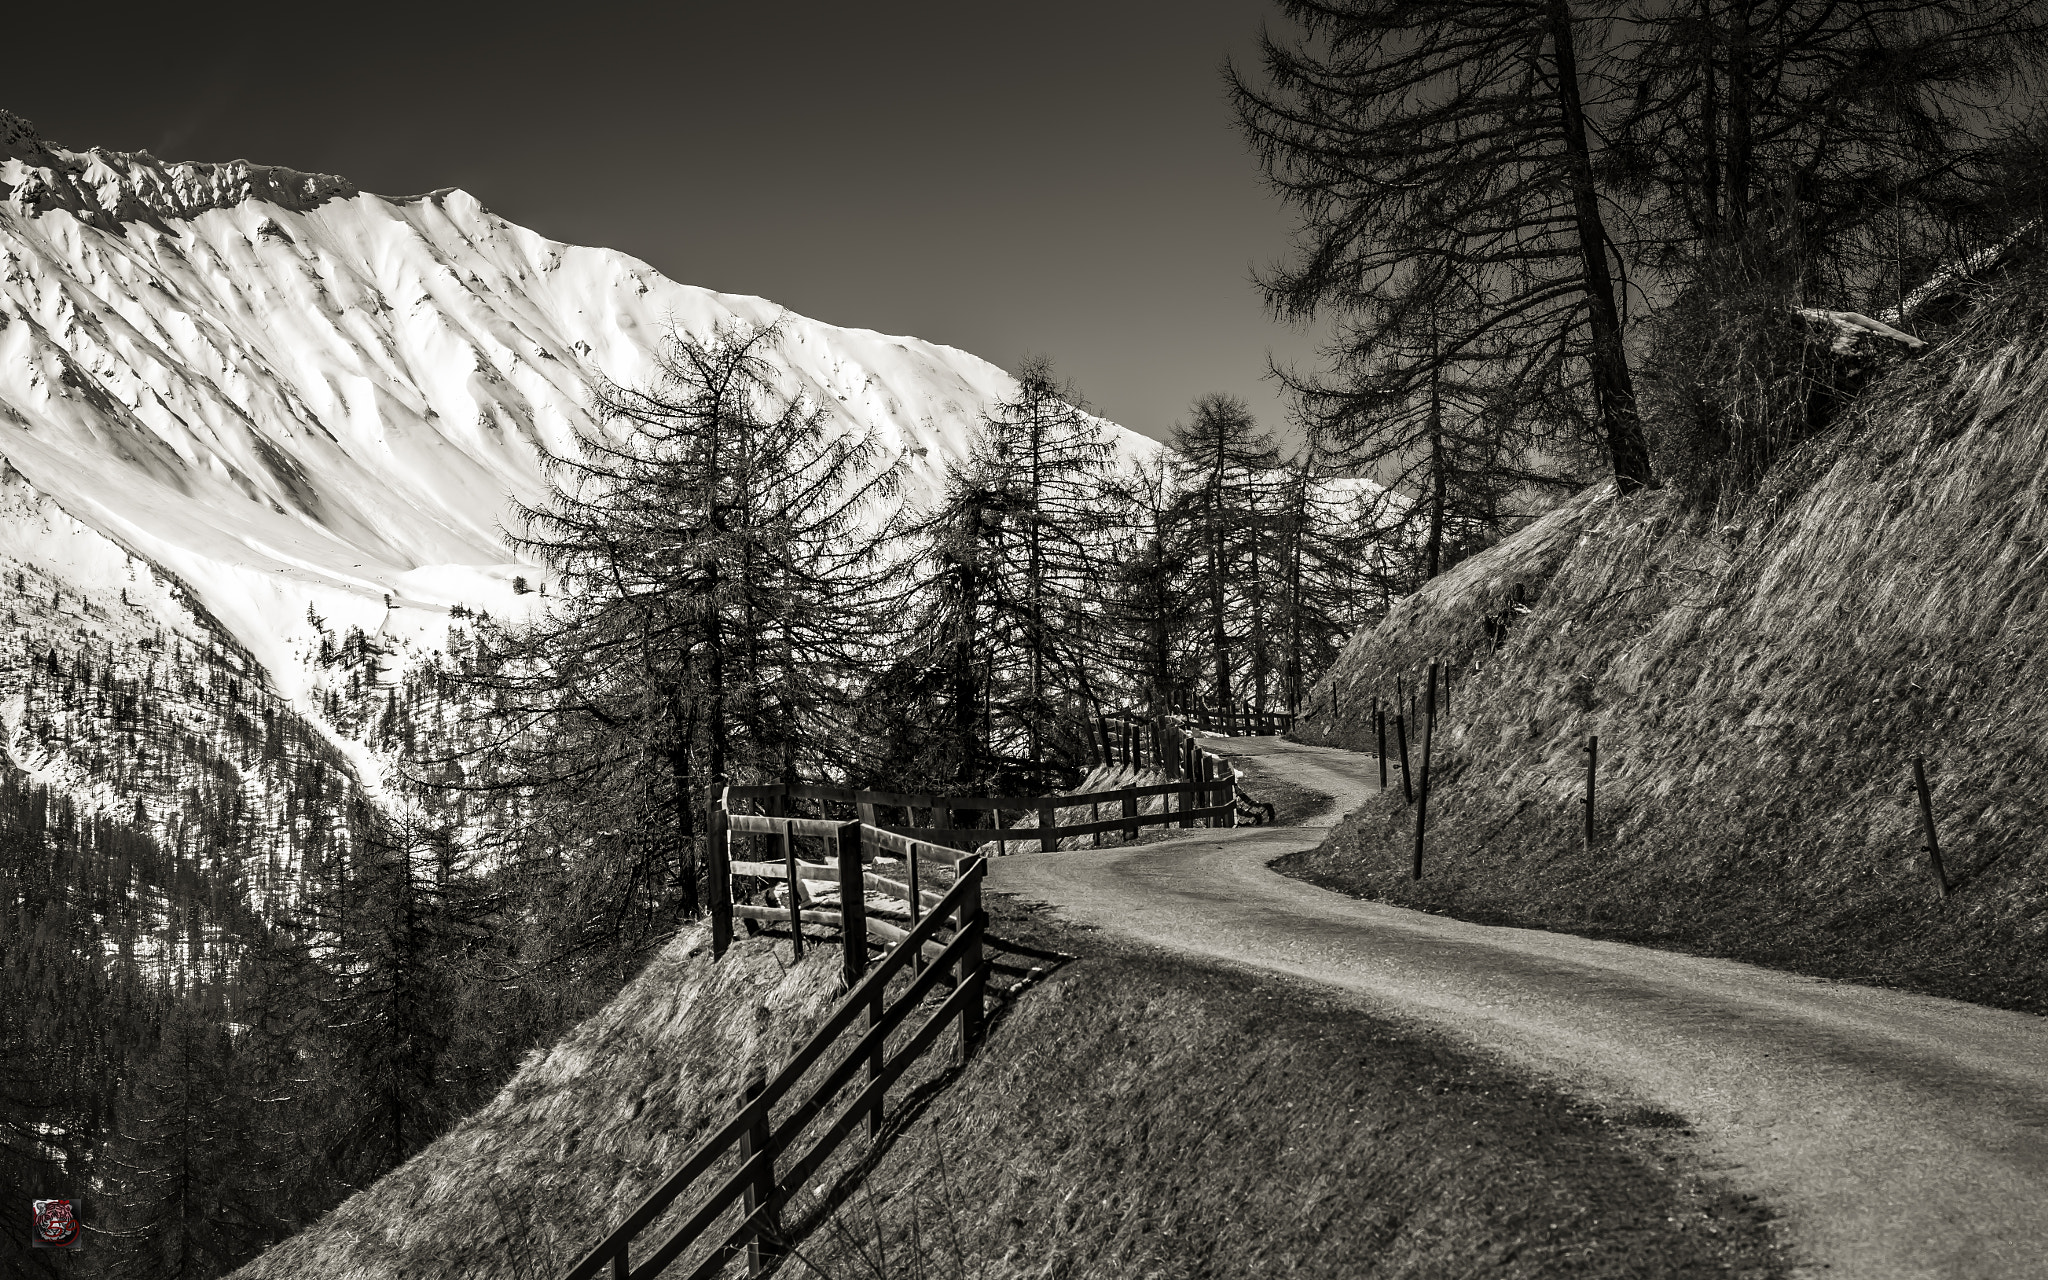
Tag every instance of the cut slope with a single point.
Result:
(1759, 691)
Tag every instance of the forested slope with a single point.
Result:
(1759, 687)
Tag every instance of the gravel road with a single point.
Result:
(1900, 1135)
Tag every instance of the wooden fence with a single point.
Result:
(1124, 738)
(942, 941)
(875, 875)
(1202, 789)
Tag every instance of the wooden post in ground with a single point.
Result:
(970, 974)
(1379, 729)
(792, 890)
(1592, 769)
(1129, 796)
(1048, 823)
(1422, 797)
(719, 867)
(1229, 772)
(1401, 740)
(1933, 845)
(853, 910)
(761, 1188)
(916, 904)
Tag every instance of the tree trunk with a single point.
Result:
(1433, 554)
(1612, 387)
(1710, 125)
(964, 694)
(1739, 107)
(1219, 632)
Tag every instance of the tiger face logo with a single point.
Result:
(57, 1224)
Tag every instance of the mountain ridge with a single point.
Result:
(295, 397)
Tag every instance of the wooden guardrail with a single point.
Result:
(1202, 789)
(876, 876)
(768, 1171)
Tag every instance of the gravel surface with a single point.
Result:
(1900, 1135)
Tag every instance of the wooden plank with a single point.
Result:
(779, 870)
(780, 915)
(926, 896)
(898, 842)
(753, 824)
(879, 928)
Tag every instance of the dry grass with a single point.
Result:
(1145, 1116)
(1759, 691)
(582, 1132)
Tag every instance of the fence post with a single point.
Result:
(1592, 768)
(970, 974)
(916, 901)
(1048, 822)
(792, 890)
(1229, 772)
(1401, 740)
(865, 808)
(762, 1189)
(1933, 845)
(1129, 796)
(1422, 800)
(719, 869)
(875, 1066)
(1379, 729)
(853, 907)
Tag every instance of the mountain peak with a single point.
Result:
(109, 188)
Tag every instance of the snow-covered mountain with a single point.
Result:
(287, 395)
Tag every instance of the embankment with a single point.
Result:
(1140, 1114)
(582, 1132)
(1759, 690)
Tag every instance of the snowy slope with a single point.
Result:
(284, 392)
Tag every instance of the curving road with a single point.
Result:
(1900, 1135)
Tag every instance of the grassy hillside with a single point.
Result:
(582, 1132)
(1759, 689)
(1137, 1114)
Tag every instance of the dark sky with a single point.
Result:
(1057, 177)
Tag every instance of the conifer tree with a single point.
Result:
(1436, 143)
(1019, 546)
(714, 575)
(1151, 618)
(1225, 470)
